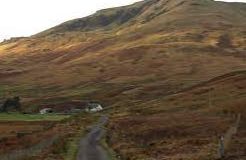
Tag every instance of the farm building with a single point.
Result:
(93, 107)
(46, 111)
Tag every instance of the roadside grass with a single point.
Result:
(111, 153)
(73, 142)
(31, 117)
(72, 146)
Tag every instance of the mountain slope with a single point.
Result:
(152, 64)
(186, 124)
(103, 20)
(165, 42)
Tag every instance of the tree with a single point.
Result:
(11, 103)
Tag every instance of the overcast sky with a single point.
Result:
(27, 17)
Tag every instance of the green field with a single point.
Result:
(31, 117)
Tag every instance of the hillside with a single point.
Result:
(149, 62)
(184, 125)
(163, 43)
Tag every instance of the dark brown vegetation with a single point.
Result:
(155, 68)
(40, 140)
(19, 135)
(184, 125)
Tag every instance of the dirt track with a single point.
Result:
(89, 148)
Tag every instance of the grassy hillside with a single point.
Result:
(152, 62)
(184, 125)
(163, 44)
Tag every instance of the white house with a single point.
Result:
(46, 111)
(93, 107)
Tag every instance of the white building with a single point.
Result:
(93, 107)
(46, 111)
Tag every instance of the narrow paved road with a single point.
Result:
(89, 148)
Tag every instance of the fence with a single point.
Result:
(225, 140)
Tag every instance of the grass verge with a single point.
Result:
(111, 153)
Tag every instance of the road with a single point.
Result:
(89, 148)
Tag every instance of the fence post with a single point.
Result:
(221, 148)
(225, 140)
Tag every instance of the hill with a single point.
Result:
(186, 124)
(168, 44)
(145, 61)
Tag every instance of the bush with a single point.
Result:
(225, 41)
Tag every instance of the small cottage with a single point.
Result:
(93, 107)
(46, 111)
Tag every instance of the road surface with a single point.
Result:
(89, 148)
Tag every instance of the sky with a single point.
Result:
(27, 17)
